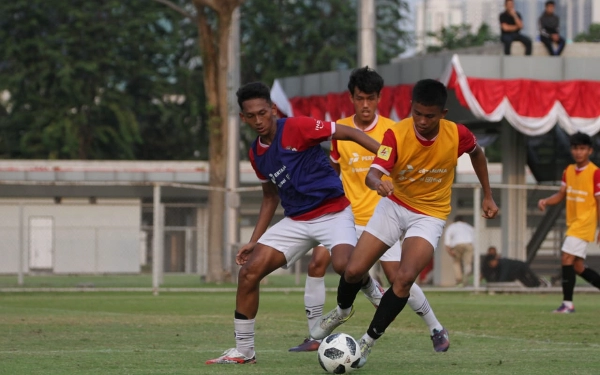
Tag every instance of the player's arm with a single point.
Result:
(268, 206)
(334, 157)
(490, 209)
(374, 182)
(555, 198)
(267, 211)
(346, 133)
(384, 161)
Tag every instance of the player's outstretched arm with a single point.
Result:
(489, 207)
(374, 182)
(346, 133)
(267, 210)
(553, 199)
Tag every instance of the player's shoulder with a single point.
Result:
(386, 122)
(348, 121)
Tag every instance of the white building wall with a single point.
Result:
(84, 237)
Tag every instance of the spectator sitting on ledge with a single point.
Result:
(510, 26)
(549, 35)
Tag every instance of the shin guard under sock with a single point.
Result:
(568, 282)
(347, 293)
(390, 307)
(591, 277)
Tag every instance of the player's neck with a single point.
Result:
(365, 125)
(267, 139)
(583, 164)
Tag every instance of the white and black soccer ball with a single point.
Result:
(339, 353)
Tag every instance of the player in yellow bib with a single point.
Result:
(581, 187)
(352, 164)
(419, 154)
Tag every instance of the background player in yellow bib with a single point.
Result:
(581, 186)
(420, 154)
(352, 164)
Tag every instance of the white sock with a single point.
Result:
(371, 288)
(244, 336)
(569, 304)
(314, 299)
(370, 341)
(344, 312)
(418, 302)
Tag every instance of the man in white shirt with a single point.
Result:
(459, 244)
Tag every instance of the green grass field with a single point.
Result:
(174, 333)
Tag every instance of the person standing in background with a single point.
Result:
(581, 187)
(459, 244)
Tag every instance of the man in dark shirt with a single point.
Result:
(549, 35)
(510, 26)
(502, 270)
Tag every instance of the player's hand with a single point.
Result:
(244, 253)
(542, 205)
(490, 210)
(385, 188)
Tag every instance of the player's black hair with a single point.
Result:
(253, 90)
(579, 139)
(366, 79)
(549, 2)
(430, 92)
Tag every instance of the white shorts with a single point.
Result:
(393, 254)
(391, 222)
(575, 246)
(296, 238)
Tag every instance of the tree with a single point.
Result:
(282, 37)
(593, 35)
(83, 78)
(460, 36)
(213, 19)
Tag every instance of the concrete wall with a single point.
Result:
(73, 236)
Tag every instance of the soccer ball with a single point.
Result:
(339, 353)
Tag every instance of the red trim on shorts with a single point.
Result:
(398, 201)
(327, 207)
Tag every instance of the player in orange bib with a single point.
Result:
(581, 186)
(419, 154)
(352, 164)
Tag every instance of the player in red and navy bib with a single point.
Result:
(288, 160)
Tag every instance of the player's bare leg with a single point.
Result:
(353, 269)
(416, 254)
(420, 305)
(262, 262)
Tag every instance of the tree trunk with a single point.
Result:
(213, 45)
(215, 62)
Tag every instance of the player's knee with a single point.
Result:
(353, 273)
(405, 280)
(317, 268)
(249, 276)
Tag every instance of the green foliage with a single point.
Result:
(593, 35)
(93, 80)
(283, 37)
(460, 36)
